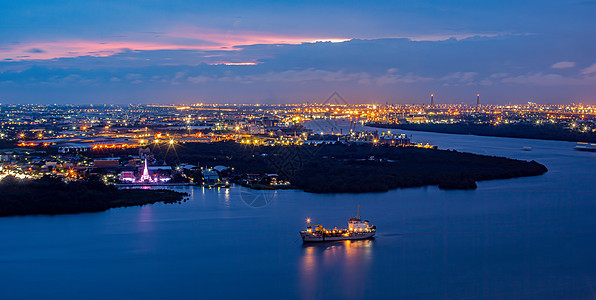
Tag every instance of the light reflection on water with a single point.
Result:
(350, 258)
(224, 194)
(146, 218)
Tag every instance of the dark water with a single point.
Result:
(526, 238)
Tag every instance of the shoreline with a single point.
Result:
(474, 130)
(51, 196)
(150, 185)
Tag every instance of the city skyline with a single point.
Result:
(283, 52)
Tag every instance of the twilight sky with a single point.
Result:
(190, 51)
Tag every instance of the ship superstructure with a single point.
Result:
(357, 230)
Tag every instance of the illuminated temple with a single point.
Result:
(145, 177)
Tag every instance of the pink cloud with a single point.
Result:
(236, 63)
(177, 38)
(589, 70)
(563, 65)
(188, 38)
(74, 48)
(231, 39)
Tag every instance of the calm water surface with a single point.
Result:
(525, 238)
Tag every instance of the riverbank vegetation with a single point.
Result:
(340, 168)
(50, 196)
(555, 132)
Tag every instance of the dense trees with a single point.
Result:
(50, 195)
(389, 168)
(356, 168)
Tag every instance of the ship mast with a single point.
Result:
(358, 212)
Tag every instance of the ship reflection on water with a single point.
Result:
(347, 261)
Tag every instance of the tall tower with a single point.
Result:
(145, 176)
(477, 99)
(432, 99)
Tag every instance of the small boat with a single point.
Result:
(219, 184)
(527, 148)
(585, 147)
(222, 184)
(357, 230)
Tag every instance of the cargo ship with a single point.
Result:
(357, 230)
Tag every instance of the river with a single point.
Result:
(524, 238)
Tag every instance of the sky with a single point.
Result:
(179, 51)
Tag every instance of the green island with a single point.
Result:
(51, 196)
(341, 168)
(556, 132)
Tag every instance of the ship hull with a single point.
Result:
(310, 238)
(585, 149)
